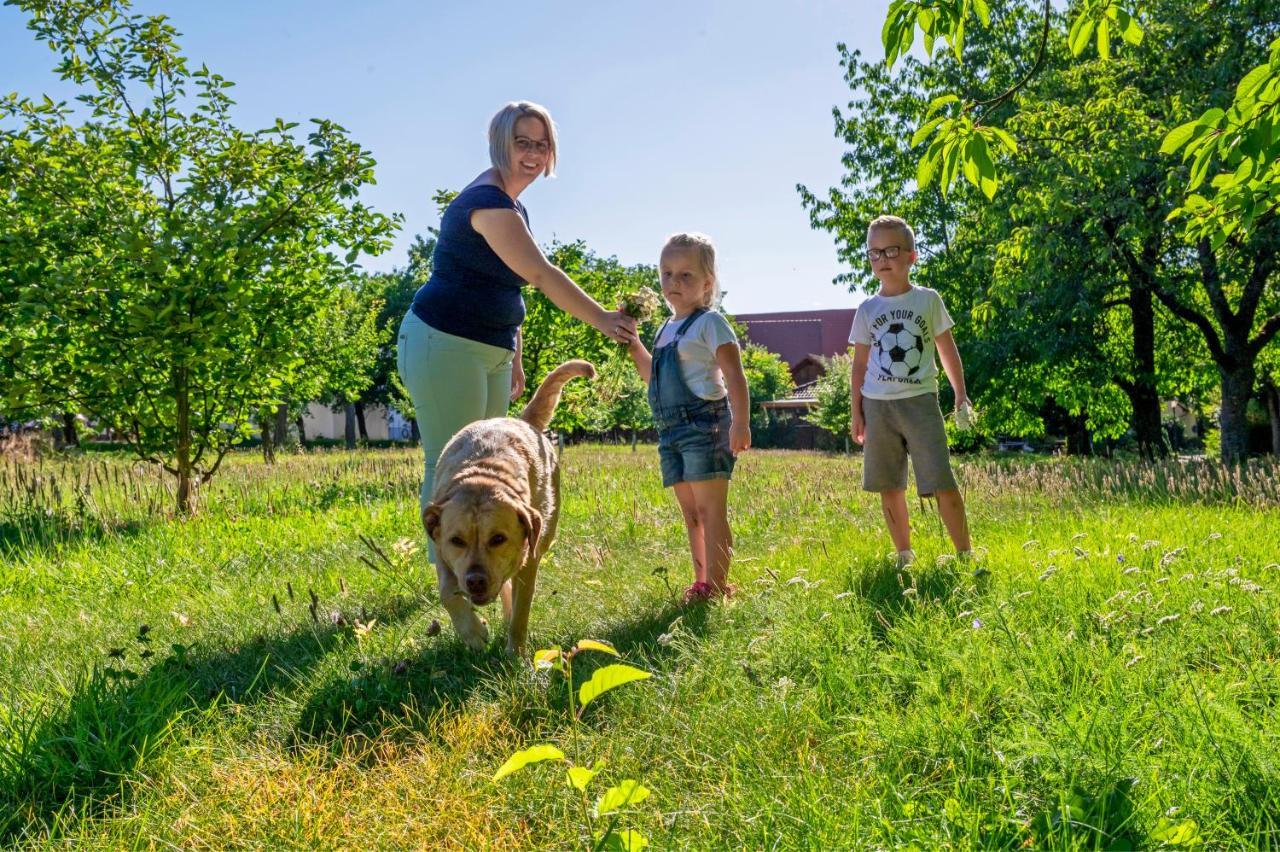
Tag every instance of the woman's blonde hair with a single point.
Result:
(502, 134)
(705, 251)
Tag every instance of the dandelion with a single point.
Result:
(1133, 662)
(909, 592)
(1222, 610)
(1167, 619)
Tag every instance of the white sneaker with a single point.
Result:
(905, 557)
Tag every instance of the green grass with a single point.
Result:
(1113, 681)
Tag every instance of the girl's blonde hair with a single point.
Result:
(502, 134)
(705, 251)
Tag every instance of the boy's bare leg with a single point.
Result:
(894, 506)
(693, 526)
(712, 497)
(951, 508)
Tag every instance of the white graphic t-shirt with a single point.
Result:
(900, 331)
(697, 352)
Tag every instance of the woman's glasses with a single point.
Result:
(524, 145)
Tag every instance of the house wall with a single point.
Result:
(382, 423)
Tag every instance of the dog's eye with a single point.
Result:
(497, 539)
(457, 541)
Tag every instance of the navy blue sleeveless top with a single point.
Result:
(471, 292)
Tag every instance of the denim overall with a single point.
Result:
(693, 433)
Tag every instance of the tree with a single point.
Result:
(552, 336)
(834, 412)
(163, 266)
(768, 378)
(1222, 273)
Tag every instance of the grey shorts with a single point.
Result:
(897, 428)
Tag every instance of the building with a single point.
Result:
(801, 338)
(383, 424)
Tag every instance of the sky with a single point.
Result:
(672, 115)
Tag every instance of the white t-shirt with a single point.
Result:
(900, 331)
(697, 352)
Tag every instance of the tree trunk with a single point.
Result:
(1142, 391)
(70, 438)
(1078, 443)
(1271, 396)
(364, 431)
(351, 427)
(264, 421)
(635, 437)
(1237, 387)
(302, 430)
(413, 430)
(182, 408)
(282, 425)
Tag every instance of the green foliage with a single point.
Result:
(616, 800)
(963, 145)
(768, 378)
(164, 268)
(552, 337)
(1243, 142)
(833, 411)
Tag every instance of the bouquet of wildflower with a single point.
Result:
(639, 304)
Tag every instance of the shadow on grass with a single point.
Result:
(443, 677)
(893, 592)
(78, 762)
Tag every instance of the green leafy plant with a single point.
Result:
(614, 802)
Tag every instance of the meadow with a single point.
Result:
(277, 672)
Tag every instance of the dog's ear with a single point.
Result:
(431, 519)
(531, 520)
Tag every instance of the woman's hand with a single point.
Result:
(739, 437)
(616, 326)
(517, 379)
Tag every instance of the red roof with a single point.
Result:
(797, 335)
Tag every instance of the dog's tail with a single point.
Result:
(540, 409)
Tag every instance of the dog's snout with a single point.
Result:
(477, 582)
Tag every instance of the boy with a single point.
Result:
(894, 389)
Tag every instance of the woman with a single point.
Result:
(459, 344)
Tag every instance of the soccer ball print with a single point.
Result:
(899, 351)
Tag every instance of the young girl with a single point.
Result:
(695, 365)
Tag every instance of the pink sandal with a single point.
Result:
(698, 592)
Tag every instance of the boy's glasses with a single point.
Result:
(524, 144)
(889, 251)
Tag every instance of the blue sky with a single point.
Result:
(672, 116)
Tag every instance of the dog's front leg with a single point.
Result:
(521, 601)
(466, 623)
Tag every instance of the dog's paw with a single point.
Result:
(476, 635)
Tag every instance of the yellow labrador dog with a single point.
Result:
(493, 512)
